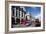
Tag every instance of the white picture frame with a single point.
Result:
(27, 29)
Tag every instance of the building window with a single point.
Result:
(22, 13)
(12, 11)
(17, 12)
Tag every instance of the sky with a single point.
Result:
(35, 11)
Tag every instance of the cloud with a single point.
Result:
(38, 16)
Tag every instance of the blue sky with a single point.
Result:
(33, 10)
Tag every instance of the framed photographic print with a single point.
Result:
(24, 16)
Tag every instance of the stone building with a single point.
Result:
(17, 11)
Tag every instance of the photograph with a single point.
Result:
(25, 17)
